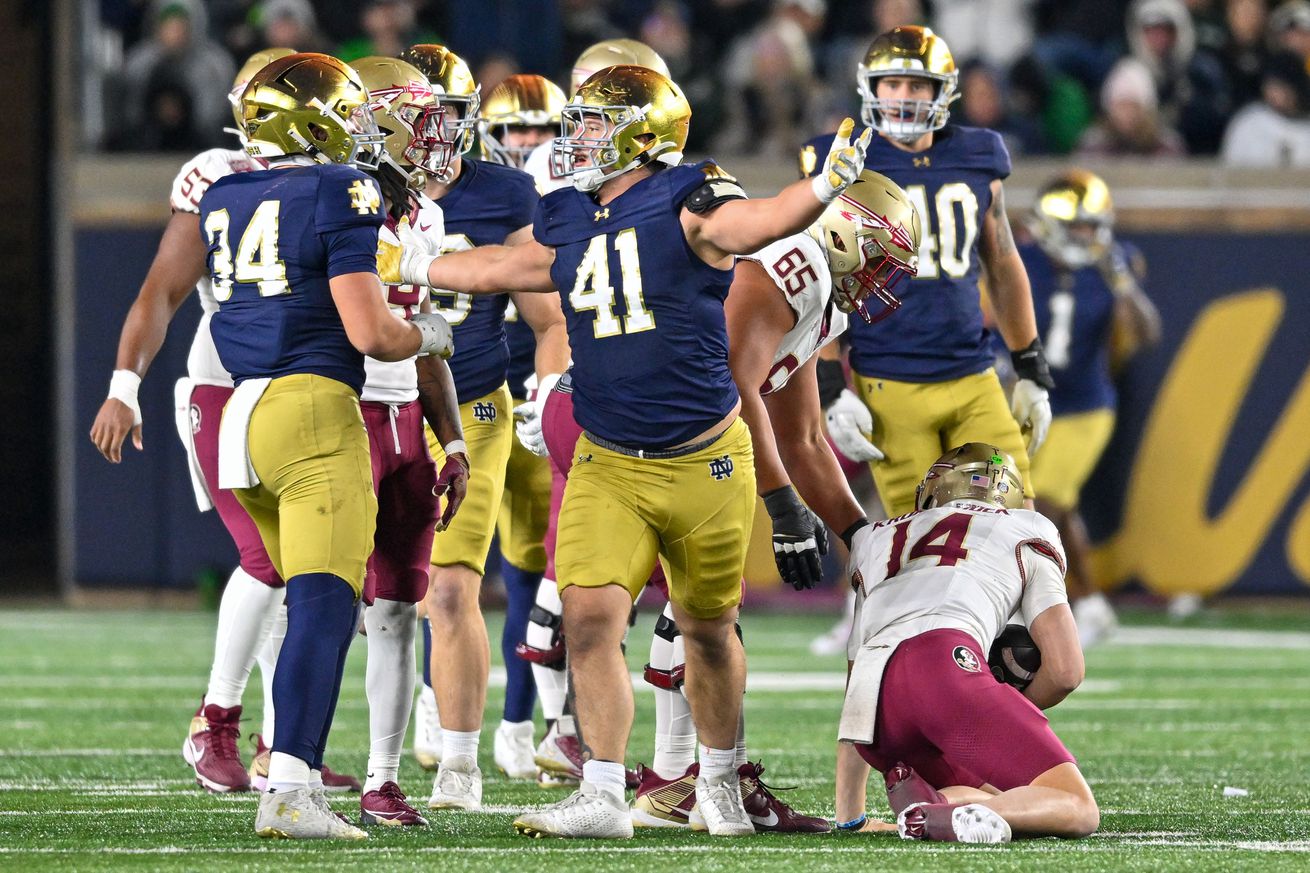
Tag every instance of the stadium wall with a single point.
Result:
(1204, 488)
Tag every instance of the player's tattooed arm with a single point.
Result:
(1006, 277)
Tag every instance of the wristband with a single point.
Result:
(850, 532)
(455, 447)
(1030, 363)
(832, 381)
(853, 823)
(123, 387)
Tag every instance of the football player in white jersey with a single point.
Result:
(966, 758)
(787, 301)
(250, 612)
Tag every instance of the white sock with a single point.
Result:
(244, 618)
(267, 659)
(717, 763)
(740, 757)
(675, 733)
(389, 686)
(316, 779)
(550, 682)
(608, 776)
(287, 773)
(457, 743)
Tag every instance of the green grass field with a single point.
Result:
(94, 706)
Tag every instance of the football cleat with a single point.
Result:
(587, 813)
(767, 812)
(905, 788)
(833, 641)
(559, 755)
(555, 780)
(664, 803)
(950, 823)
(513, 750)
(211, 749)
(300, 815)
(427, 729)
(339, 783)
(458, 784)
(387, 806)
(719, 808)
(334, 783)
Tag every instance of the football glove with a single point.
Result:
(407, 262)
(844, 163)
(528, 418)
(1030, 404)
(799, 538)
(453, 484)
(438, 339)
(850, 424)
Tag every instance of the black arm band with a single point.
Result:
(1030, 363)
(832, 381)
(850, 532)
(712, 194)
(781, 501)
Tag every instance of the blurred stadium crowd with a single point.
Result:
(1141, 78)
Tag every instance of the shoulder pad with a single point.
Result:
(714, 171)
(716, 191)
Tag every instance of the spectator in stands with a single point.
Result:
(1275, 130)
(390, 27)
(1244, 53)
(1079, 38)
(1130, 121)
(171, 77)
(1289, 29)
(291, 23)
(985, 104)
(1193, 94)
(996, 31)
(1057, 98)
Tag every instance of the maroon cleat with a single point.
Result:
(339, 783)
(571, 748)
(767, 812)
(211, 749)
(905, 788)
(664, 803)
(387, 806)
(953, 823)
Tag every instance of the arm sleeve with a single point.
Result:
(1044, 588)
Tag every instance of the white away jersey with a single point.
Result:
(191, 183)
(798, 266)
(965, 565)
(538, 166)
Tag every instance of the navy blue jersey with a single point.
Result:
(938, 333)
(522, 352)
(1075, 316)
(487, 203)
(644, 312)
(275, 238)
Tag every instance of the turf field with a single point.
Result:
(93, 708)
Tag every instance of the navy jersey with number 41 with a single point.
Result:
(487, 203)
(938, 333)
(275, 237)
(644, 312)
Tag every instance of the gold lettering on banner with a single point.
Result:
(1166, 538)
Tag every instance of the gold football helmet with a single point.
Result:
(1073, 218)
(522, 101)
(621, 118)
(409, 117)
(973, 471)
(452, 80)
(615, 52)
(871, 236)
(253, 64)
(310, 104)
(907, 51)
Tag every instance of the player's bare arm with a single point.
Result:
(370, 325)
(523, 268)
(543, 314)
(1007, 279)
(437, 396)
(1062, 668)
(1136, 320)
(179, 263)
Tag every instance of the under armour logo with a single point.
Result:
(721, 468)
(584, 459)
(483, 411)
(602, 214)
(924, 161)
(195, 420)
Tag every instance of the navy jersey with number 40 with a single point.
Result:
(486, 204)
(644, 312)
(275, 237)
(938, 333)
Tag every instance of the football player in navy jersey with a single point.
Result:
(641, 250)
(925, 379)
(1090, 309)
(292, 255)
(483, 204)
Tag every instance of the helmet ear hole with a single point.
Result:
(837, 242)
(319, 132)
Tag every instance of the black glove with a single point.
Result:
(799, 538)
(832, 379)
(1030, 363)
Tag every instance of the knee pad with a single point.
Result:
(545, 643)
(672, 678)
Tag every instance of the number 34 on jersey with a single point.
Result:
(594, 289)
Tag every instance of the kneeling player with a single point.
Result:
(966, 758)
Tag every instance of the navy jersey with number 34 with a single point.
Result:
(644, 312)
(938, 333)
(275, 237)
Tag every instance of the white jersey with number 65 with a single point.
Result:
(799, 267)
(966, 566)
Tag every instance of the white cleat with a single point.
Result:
(588, 813)
(1095, 619)
(1184, 606)
(458, 785)
(301, 815)
(514, 754)
(719, 809)
(552, 756)
(427, 729)
(834, 641)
